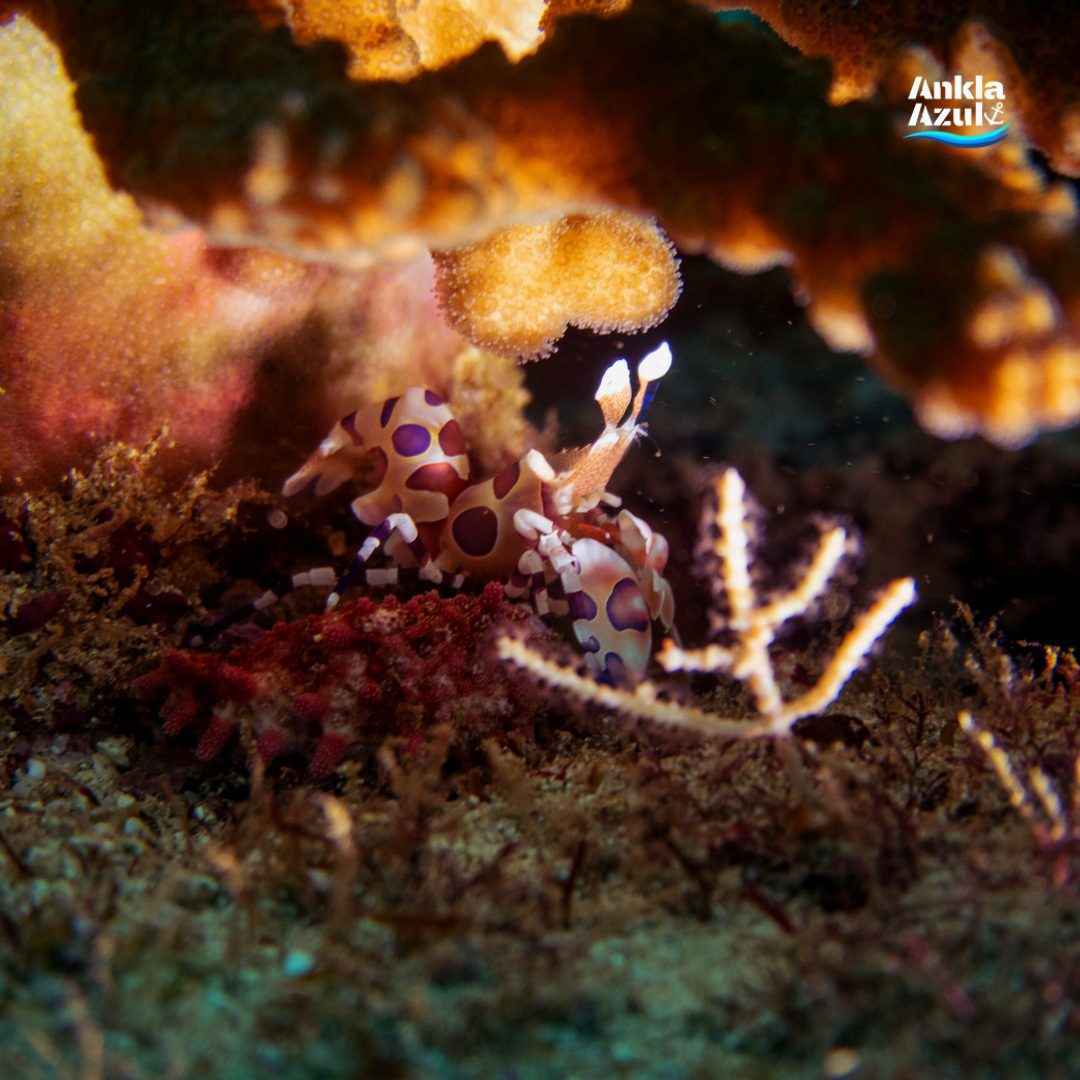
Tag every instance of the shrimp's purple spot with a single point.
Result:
(411, 439)
(432, 398)
(438, 476)
(505, 481)
(582, 605)
(387, 411)
(626, 607)
(348, 425)
(451, 440)
(476, 530)
(615, 670)
(380, 463)
(589, 644)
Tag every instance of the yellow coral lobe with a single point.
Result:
(377, 43)
(517, 291)
(885, 238)
(56, 211)
(397, 39)
(1030, 360)
(111, 329)
(446, 30)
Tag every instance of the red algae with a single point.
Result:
(318, 686)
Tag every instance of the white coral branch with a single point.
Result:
(753, 624)
(1057, 824)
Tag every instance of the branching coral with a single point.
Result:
(751, 624)
(641, 889)
(1054, 826)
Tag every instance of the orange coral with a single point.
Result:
(729, 142)
(517, 291)
(1022, 360)
(395, 39)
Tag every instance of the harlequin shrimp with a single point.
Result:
(539, 525)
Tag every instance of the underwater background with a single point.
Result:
(415, 835)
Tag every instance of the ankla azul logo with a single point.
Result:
(958, 103)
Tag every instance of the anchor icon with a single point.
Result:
(993, 117)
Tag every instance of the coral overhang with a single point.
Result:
(959, 274)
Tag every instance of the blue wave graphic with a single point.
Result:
(971, 142)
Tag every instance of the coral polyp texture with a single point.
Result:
(751, 624)
(314, 688)
(518, 290)
(108, 327)
(417, 834)
(112, 329)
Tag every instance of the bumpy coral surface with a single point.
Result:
(517, 291)
(317, 686)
